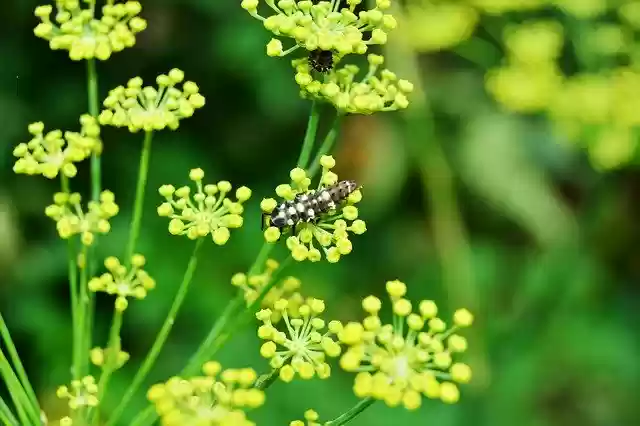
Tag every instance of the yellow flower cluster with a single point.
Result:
(531, 78)
(76, 28)
(101, 357)
(71, 220)
(331, 231)
(215, 399)
(82, 393)
(324, 25)
(303, 348)
(208, 211)
(311, 418)
(603, 110)
(122, 281)
(56, 152)
(349, 94)
(253, 285)
(436, 26)
(147, 108)
(413, 357)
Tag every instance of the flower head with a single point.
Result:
(81, 393)
(147, 108)
(334, 215)
(71, 220)
(78, 30)
(348, 94)
(56, 152)
(208, 211)
(311, 418)
(215, 399)
(101, 357)
(303, 348)
(324, 25)
(253, 285)
(413, 357)
(122, 281)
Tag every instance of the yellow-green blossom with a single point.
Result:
(303, 348)
(349, 93)
(76, 28)
(413, 357)
(330, 231)
(208, 211)
(253, 285)
(436, 26)
(215, 399)
(71, 220)
(81, 393)
(56, 152)
(122, 281)
(102, 356)
(311, 418)
(147, 108)
(323, 25)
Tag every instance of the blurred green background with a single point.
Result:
(470, 203)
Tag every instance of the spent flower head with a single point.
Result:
(303, 348)
(349, 93)
(413, 357)
(208, 211)
(76, 28)
(253, 285)
(56, 152)
(323, 25)
(215, 399)
(71, 220)
(122, 281)
(334, 214)
(311, 418)
(81, 393)
(149, 108)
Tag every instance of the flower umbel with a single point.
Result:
(324, 25)
(122, 281)
(347, 94)
(253, 285)
(102, 356)
(208, 211)
(76, 28)
(216, 399)
(56, 152)
(311, 418)
(147, 108)
(71, 220)
(330, 229)
(82, 393)
(303, 348)
(398, 363)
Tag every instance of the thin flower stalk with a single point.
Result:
(6, 415)
(143, 171)
(26, 412)
(351, 413)
(309, 136)
(161, 338)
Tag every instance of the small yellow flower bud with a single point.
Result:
(462, 318)
(327, 162)
(274, 48)
(196, 175)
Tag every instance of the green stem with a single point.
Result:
(92, 91)
(6, 416)
(82, 315)
(113, 350)
(352, 413)
(18, 395)
(143, 171)
(267, 379)
(309, 136)
(17, 364)
(326, 147)
(161, 338)
(73, 289)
